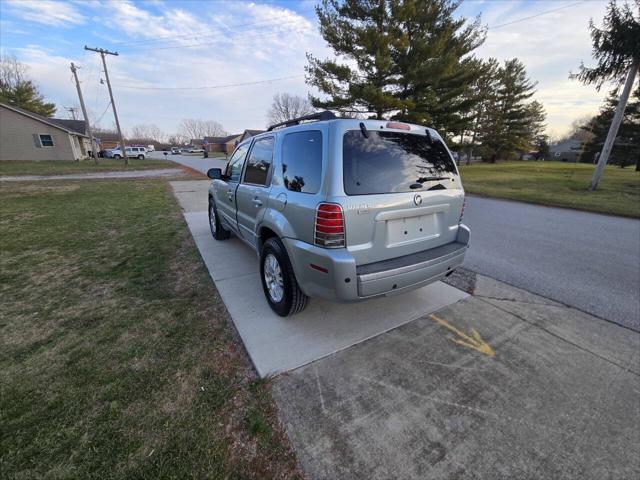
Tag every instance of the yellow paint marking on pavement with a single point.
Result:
(474, 341)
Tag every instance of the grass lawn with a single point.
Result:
(60, 167)
(117, 359)
(558, 184)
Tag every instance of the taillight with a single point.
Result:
(464, 204)
(329, 227)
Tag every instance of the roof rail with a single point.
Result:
(319, 116)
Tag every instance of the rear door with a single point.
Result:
(252, 194)
(403, 193)
(226, 189)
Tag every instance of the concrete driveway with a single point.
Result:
(499, 385)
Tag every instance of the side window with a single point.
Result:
(234, 168)
(46, 140)
(302, 161)
(259, 162)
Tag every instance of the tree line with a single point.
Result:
(412, 60)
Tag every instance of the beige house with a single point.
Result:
(28, 136)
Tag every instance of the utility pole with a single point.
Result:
(74, 70)
(615, 124)
(72, 111)
(102, 53)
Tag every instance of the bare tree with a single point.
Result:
(197, 128)
(148, 132)
(12, 72)
(286, 106)
(177, 139)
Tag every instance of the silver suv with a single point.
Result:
(342, 209)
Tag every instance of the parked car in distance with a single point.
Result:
(196, 150)
(151, 148)
(342, 209)
(132, 152)
(175, 151)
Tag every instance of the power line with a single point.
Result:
(268, 80)
(545, 12)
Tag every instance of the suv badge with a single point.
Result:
(417, 200)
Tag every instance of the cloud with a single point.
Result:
(550, 46)
(47, 12)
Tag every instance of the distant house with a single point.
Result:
(223, 144)
(250, 133)
(26, 135)
(566, 150)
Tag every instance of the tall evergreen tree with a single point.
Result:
(433, 61)
(17, 90)
(484, 90)
(359, 31)
(626, 148)
(404, 58)
(511, 123)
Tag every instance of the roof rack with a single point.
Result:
(319, 116)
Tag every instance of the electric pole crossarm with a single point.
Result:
(102, 53)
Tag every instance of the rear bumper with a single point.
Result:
(344, 281)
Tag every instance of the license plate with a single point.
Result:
(412, 229)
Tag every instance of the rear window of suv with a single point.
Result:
(302, 161)
(390, 162)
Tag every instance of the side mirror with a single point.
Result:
(214, 173)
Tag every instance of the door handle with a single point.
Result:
(230, 194)
(257, 202)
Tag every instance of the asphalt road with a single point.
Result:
(194, 161)
(585, 260)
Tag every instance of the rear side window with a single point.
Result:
(259, 162)
(389, 162)
(302, 161)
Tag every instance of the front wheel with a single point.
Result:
(217, 230)
(140, 157)
(278, 280)
(117, 157)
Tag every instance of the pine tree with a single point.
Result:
(433, 61)
(359, 31)
(511, 122)
(409, 59)
(626, 148)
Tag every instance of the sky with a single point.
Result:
(171, 54)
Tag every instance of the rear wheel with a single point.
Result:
(278, 280)
(217, 230)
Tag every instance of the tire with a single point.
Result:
(140, 157)
(117, 157)
(292, 300)
(217, 230)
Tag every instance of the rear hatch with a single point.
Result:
(403, 192)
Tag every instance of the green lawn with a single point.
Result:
(117, 359)
(60, 167)
(557, 184)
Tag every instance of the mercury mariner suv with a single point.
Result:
(342, 209)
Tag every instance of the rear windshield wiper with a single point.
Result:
(431, 179)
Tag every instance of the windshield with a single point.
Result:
(389, 162)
